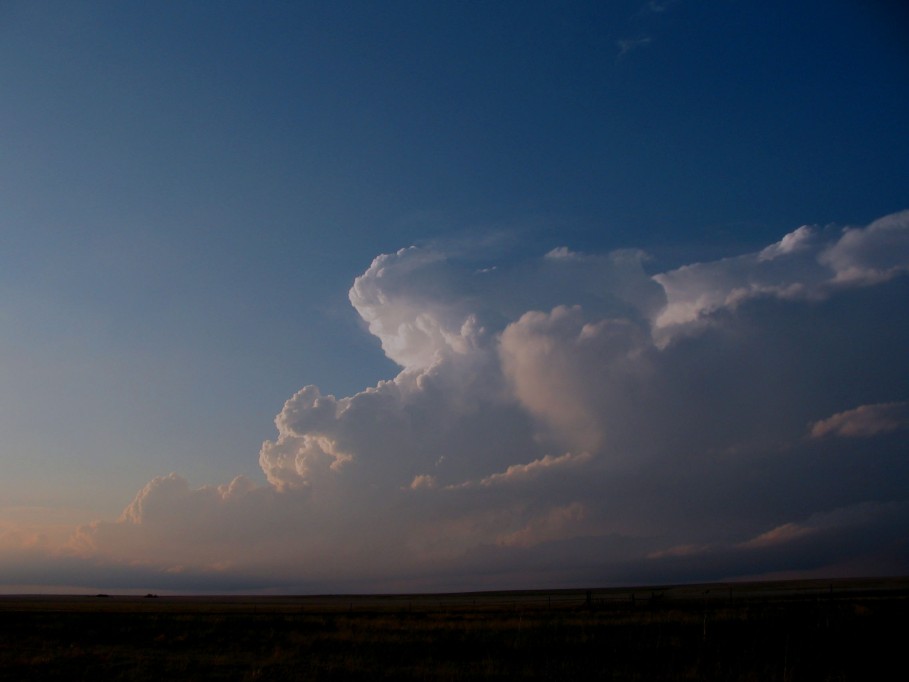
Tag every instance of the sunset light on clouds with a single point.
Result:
(583, 294)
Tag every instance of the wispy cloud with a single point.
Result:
(651, 7)
(517, 473)
(645, 18)
(787, 532)
(658, 6)
(626, 45)
(865, 421)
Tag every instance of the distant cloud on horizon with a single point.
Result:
(560, 421)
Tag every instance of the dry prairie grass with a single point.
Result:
(771, 631)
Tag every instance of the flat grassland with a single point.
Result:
(789, 631)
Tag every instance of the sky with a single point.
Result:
(308, 297)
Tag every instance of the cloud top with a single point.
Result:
(802, 265)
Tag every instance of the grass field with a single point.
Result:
(792, 631)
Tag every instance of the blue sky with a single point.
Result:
(189, 190)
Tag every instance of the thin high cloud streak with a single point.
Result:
(865, 421)
(646, 11)
(563, 421)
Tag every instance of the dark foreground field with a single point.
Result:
(841, 630)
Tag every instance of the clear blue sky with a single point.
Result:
(188, 191)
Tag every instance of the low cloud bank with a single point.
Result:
(572, 420)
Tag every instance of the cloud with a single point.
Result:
(788, 532)
(887, 521)
(646, 13)
(551, 358)
(794, 242)
(523, 472)
(870, 255)
(864, 539)
(565, 420)
(551, 526)
(626, 45)
(865, 421)
(658, 7)
(802, 265)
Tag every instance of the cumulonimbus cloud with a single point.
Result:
(564, 419)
